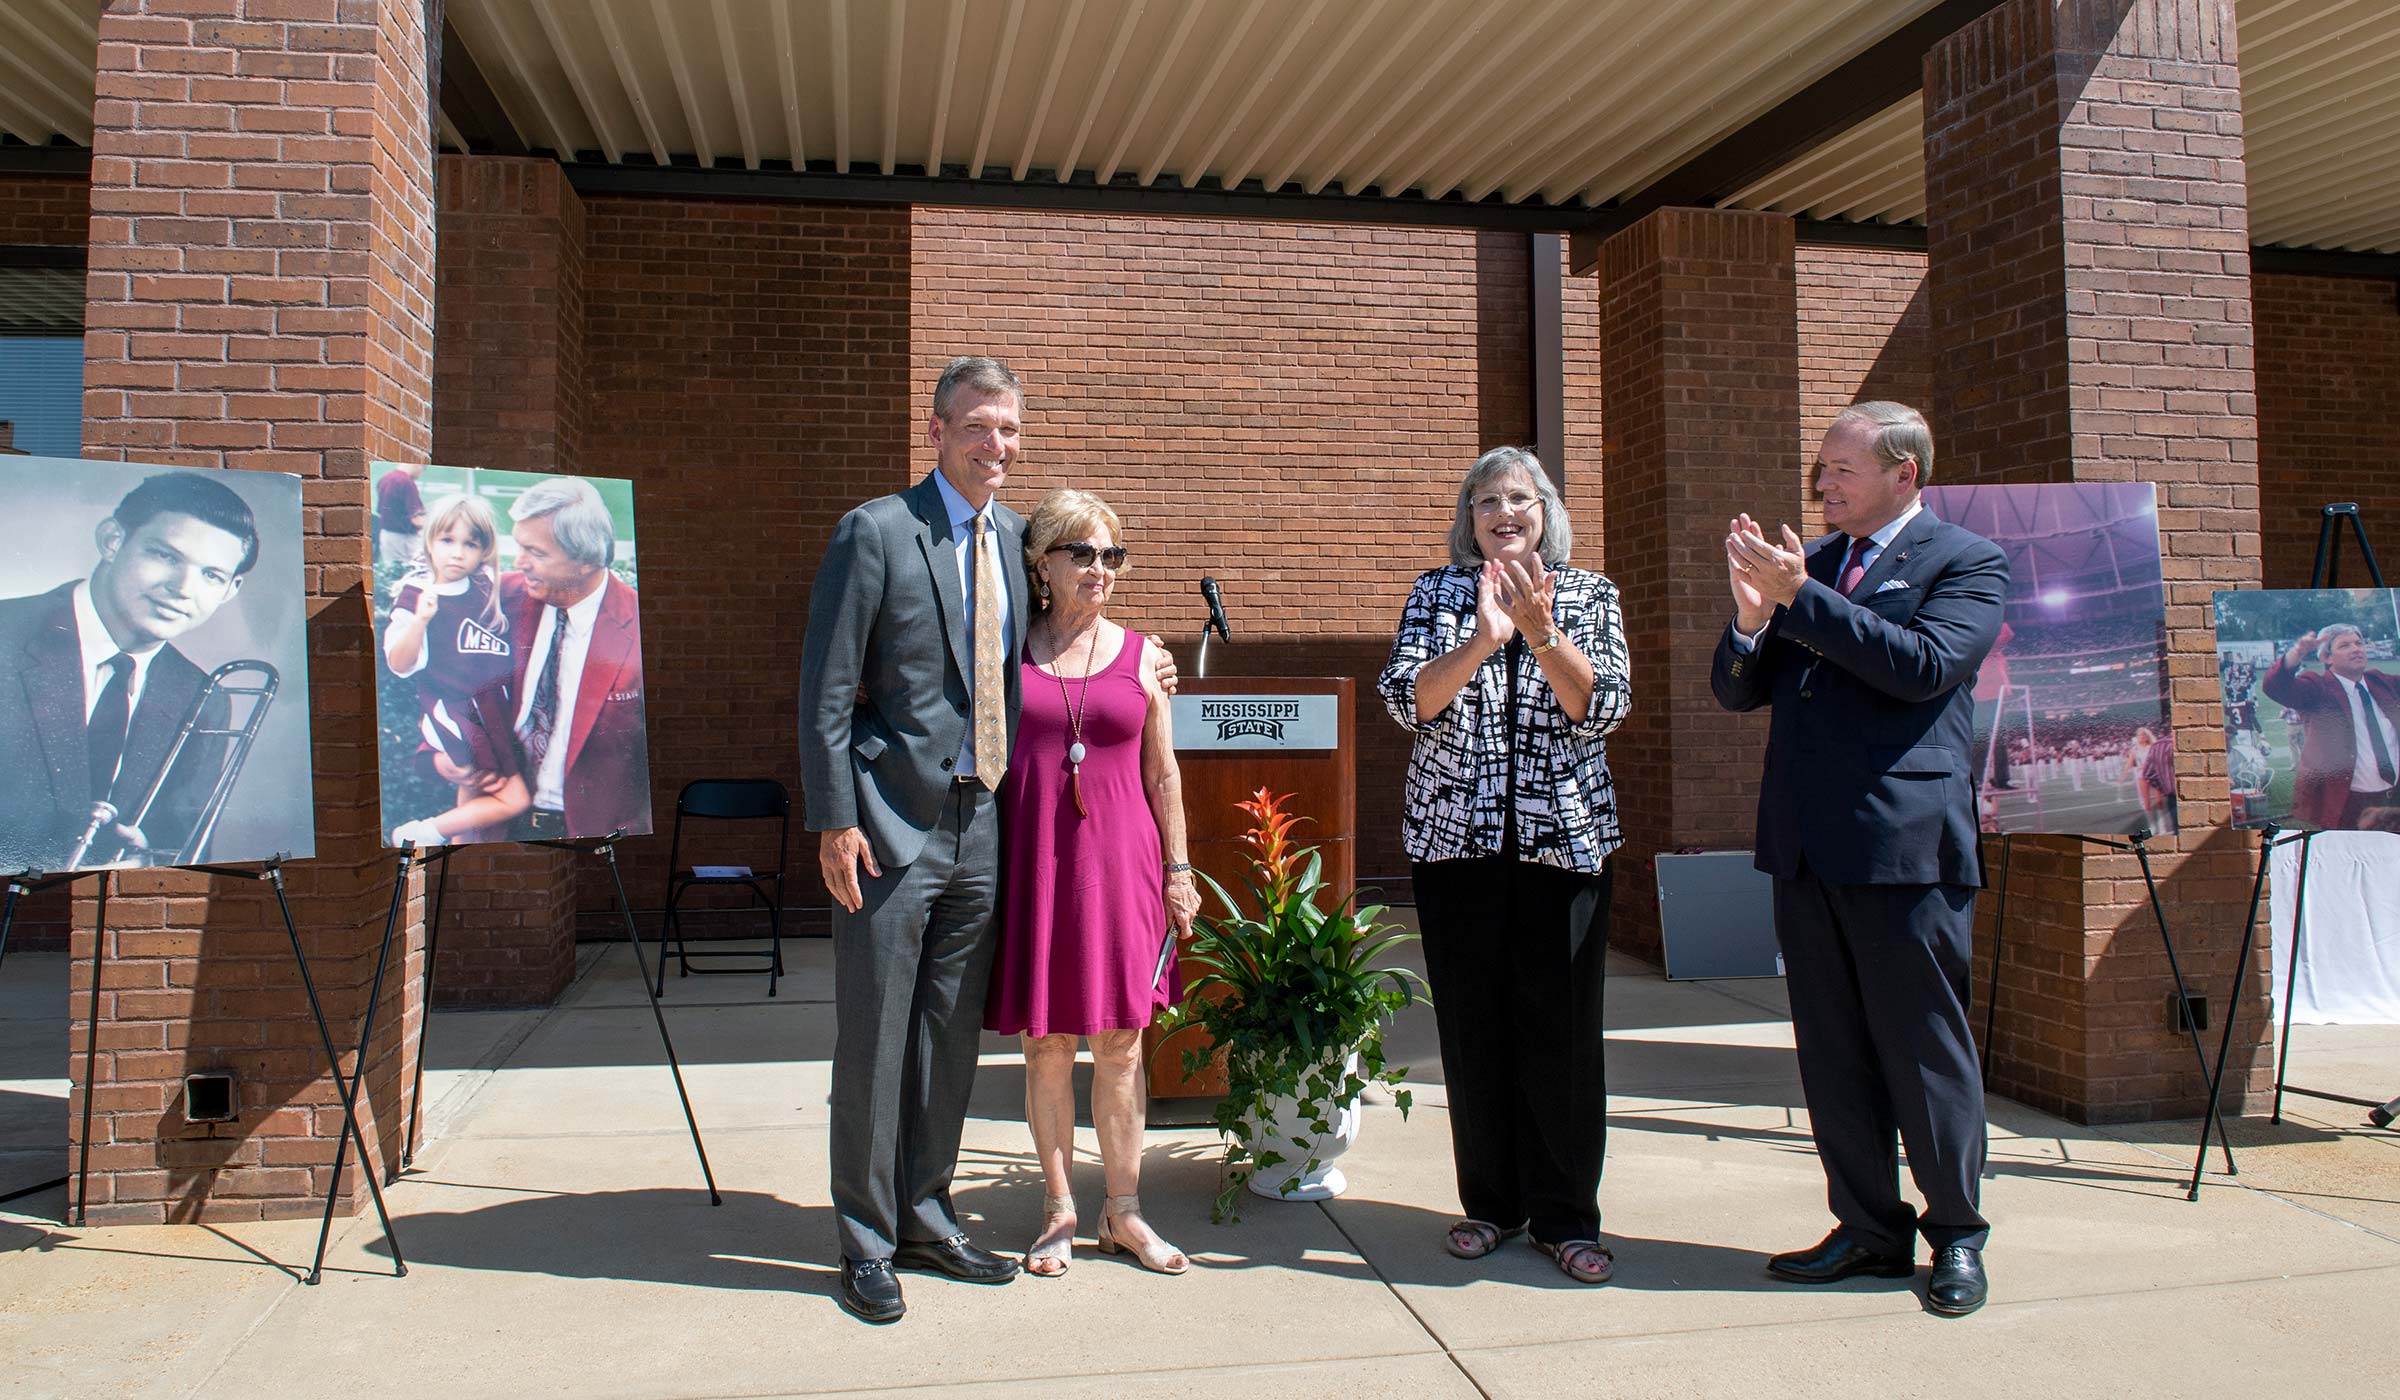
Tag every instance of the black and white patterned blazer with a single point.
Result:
(1457, 784)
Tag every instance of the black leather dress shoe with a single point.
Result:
(1837, 1257)
(1958, 1285)
(870, 1291)
(958, 1258)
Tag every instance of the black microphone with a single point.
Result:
(1216, 607)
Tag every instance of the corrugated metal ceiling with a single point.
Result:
(2320, 118)
(1554, 102)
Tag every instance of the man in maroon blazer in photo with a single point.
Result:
(2350, 762)
(576, 697)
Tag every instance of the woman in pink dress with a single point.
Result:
(1094, 875)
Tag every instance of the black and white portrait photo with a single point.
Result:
(153, 667)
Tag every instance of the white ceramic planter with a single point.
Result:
(1289, 1134)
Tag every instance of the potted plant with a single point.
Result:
(1291, 995)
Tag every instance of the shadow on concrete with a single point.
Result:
(655, 1235)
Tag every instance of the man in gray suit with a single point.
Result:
(908, 701)
(908, 691)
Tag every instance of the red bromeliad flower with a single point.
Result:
(1269, 836)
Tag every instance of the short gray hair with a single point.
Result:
(980, 374)
(2327, 636)
(578, 517)
(1558, 533)
(1900, 434)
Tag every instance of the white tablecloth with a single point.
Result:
(2350, 971)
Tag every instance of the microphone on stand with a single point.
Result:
(1216, 608)
(1215, 623)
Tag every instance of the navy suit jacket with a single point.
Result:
(1867, 774)
(45, 784)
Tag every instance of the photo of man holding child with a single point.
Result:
(510, 696)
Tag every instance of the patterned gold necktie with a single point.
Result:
(990, 698)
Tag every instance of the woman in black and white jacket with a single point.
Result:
(1509, 668)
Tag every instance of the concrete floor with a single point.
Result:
(559, 1243)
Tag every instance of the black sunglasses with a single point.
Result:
(1082, 553)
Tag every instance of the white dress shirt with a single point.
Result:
(550, 784)
(1876, 544)
(2364, 776)
(99, 648)
(962, 531)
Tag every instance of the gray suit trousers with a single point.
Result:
(910, 969)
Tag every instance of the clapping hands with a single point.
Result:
(1509, 601)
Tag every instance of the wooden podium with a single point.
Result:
(1233, 736)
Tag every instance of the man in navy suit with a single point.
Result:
(1866, 644)
(93, 692)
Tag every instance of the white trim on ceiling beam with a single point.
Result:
(1190, 175)
(514, 59)
(837, 44)
(997, 85)
(686, 95)
(77, 119)
(1427, 12)
(1561, 95)
(895, 49)
(736, 86)
(1438, 107)
(620, 56)
(787, 82)
(1059, 48)
(610, 147)
(942, 86)
(1226, 48)
(1108, 77)
(1150, 90)
(1240, 170)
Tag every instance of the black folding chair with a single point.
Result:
(727, 800)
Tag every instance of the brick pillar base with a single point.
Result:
(2089, 283)
(260, 296)
(1700, 374)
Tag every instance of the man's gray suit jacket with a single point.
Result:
(889, 617)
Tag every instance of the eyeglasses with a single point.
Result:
(1082, 552)
(1514, 500)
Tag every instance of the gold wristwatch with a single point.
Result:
(1550, 641)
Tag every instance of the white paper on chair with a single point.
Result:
(722, 872)
(2350, 974)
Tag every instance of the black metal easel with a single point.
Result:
(344, 1086)
(2325, 573)
(440, 855)
(2138, 845)
(606, 849)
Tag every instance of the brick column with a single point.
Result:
(2089, 282)
(1700, 374)
(508, 393)
(260, 296)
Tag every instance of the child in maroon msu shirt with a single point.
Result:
(447, 630)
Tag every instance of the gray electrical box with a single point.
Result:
(1716, 916)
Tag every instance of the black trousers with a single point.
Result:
(1878, 982)
(1517, 956)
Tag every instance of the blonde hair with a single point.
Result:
(1065, 514)
(483, 526)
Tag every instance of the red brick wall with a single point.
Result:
(747, 367)
(45, 209)
(1289, 408)
(2328, 418)
(2091, 315)
(1699, 332)
(1863, 335)
(260, 296)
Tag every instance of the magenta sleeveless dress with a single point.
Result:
(1081, 918)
